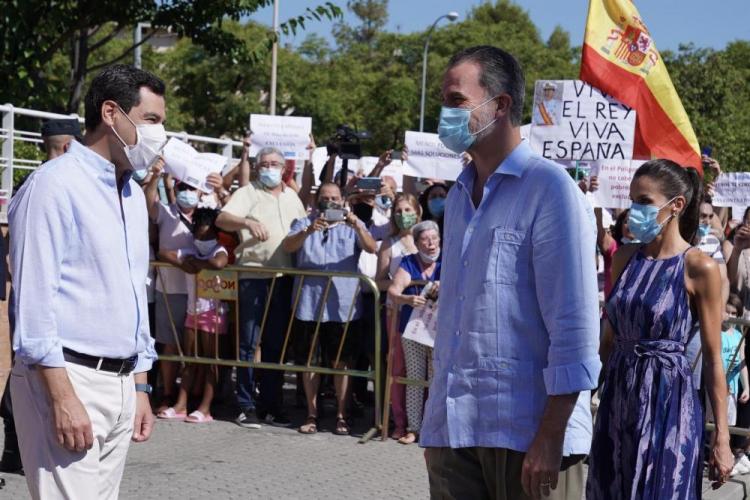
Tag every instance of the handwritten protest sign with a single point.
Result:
(422, 325)
(429, 158)
(290, 134)
(189, 166)
(614, 177)
(572, 120)
(732, 190)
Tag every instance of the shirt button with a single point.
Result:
(471, 229)
(466, 263)
(460, 297)
(458, 332)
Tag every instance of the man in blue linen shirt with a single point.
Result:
(79, 260)
(327, 245)
(517, 350)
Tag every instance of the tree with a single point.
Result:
(34, 32)
(714, 91)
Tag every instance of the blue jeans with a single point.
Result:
(253, 296)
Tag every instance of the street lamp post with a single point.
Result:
(451, 16)
(274, 55)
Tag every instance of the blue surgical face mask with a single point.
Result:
(384, 203)
(204, 247)
(436, 206)
(270, 177)
(187, 199)
(643, 223)
(704, 230)
(453, 129)
(139, 175)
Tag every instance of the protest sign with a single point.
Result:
(732, 190)
(186, 164)
(422, 325)
(429, 158)
(290, 134)
(614, 178)
(571, 120)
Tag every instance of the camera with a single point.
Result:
(345, 143)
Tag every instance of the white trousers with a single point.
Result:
(53, 472)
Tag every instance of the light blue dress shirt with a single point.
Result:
(523, 319)
(336, 249)
(79, 260)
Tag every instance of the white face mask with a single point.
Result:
(150, 137)
(205, 247)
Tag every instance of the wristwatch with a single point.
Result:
(144, 388)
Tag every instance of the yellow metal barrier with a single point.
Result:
(224, 285)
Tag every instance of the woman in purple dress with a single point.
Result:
(649, 428)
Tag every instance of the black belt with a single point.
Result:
(114, 365)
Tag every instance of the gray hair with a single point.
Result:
(267, 151)
(501, 74)
(423, 226)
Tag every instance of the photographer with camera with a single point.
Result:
(329, 239)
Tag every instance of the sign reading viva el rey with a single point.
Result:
(571, 120)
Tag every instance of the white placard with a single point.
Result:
(732, 190)
(422, 325)
(614, 178)
(187, 165)
(429, 158)
(571, 120)
(290, 134)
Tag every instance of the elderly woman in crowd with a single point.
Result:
(405, 213)
(422, 266)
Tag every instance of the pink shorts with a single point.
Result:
(209, 322)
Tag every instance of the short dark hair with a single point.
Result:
(120, 83)
(501, 73)
(205, 216)
(736, 301)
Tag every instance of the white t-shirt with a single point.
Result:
(711, 246)
(173, 235)
(201, 305)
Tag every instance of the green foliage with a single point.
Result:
(713, 87)
(219, 71)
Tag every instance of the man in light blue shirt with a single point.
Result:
(325, 243)
(517, 349)
(79, 260)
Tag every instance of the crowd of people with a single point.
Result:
(515, 351)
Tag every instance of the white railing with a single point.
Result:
(9, 135)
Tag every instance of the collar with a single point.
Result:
(513, 164)
(105, 169)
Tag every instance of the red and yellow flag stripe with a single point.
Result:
(620, 58)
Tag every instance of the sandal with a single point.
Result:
(198, 417)
(398, 433)
(171, 414)
(408, 438)
(310, 426)
(342, 427)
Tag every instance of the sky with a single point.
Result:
(671, 22)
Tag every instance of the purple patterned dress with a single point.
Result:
(649, 427)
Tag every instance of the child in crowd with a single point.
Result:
(205, 319)
(733, 355)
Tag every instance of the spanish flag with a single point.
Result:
(620, 58)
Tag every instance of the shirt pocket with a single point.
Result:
(509, 257)
(493, 391)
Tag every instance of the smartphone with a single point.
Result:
(335, 215)
(369, 184)
(396, 155)
(707, 150)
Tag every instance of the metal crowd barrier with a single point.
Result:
(224, 285)
(393, 337)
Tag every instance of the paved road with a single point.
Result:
(223, 461)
